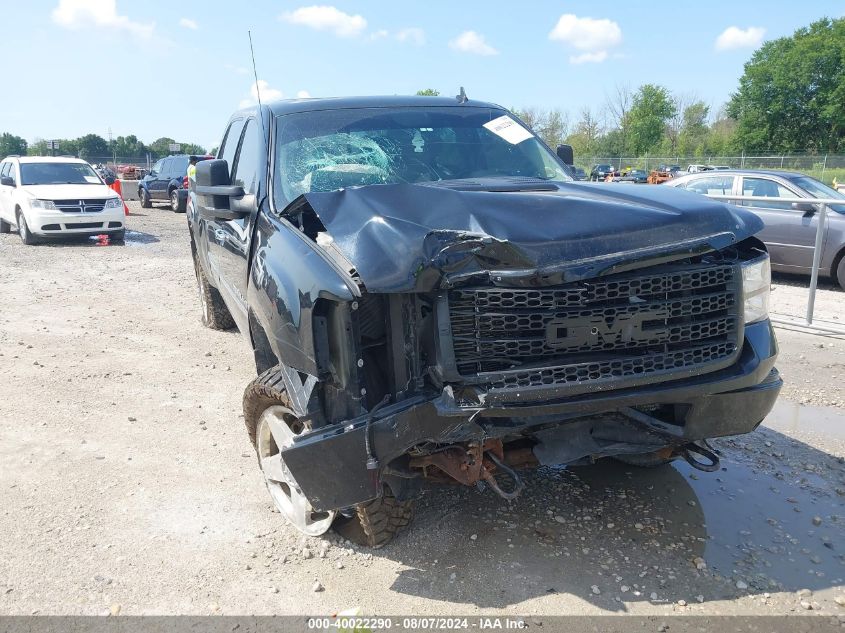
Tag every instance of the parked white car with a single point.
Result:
(46, 197)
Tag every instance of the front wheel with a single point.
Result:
(272, 426)
(23, 231)
(840, 272)
(144, 197)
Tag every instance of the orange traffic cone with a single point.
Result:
(115, 186)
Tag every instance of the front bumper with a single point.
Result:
(730, 401)
(46, 223)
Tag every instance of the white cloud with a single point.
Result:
(585, 58)
(593, 37)
(188, 23)
(327, 18)
(379, 35)
(303, 94)
(77, 14)
(412, 35)
(472, 42)
(267, 94)
(735, 37)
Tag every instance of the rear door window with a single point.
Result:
(712, 185)
(769, 189)
(179, 166)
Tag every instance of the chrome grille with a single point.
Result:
(80, 206)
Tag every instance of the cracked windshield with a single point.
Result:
(372, 146)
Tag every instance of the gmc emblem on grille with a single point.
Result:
(625, 328)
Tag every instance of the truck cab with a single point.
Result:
(428, 295)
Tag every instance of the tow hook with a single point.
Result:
(518, 484)
(688, 450)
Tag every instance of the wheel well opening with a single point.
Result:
(833, 268)
(264, 356)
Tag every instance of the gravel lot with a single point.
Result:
(127, 482)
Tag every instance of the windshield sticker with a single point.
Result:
(508, 129)
(92, 180)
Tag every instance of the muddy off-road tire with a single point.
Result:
(373, 523)
(215, 314)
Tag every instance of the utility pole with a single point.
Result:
(113, 151)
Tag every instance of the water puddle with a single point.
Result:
(789, 417)
(778, 534)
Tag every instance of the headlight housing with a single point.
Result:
(756, 287)
(43, 204)
(113, 203)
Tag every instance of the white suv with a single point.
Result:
(46, 196)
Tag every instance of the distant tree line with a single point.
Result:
(93, 146)
(791, 98)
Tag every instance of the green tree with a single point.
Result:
(585, 135)
(694, 130)
(791, 95)
(92, 146)
(161, 146)
(553, 128)
(129, 147)
(38, 148)
(11, 144)
(721, 138)
(618, 109)
(549, 125)
(651, 107)
(192, 148)
(428, 92)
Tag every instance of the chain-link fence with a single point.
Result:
(824, 167)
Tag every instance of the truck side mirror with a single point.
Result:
(215, 191)
(564, 152)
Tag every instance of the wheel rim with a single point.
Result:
(277, 429)
(22, 227)
(174, 200)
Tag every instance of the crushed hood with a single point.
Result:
(421, 237)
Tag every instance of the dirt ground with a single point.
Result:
(128, 484)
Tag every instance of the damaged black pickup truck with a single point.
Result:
(429, 296)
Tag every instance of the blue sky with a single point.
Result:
(157, 68)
